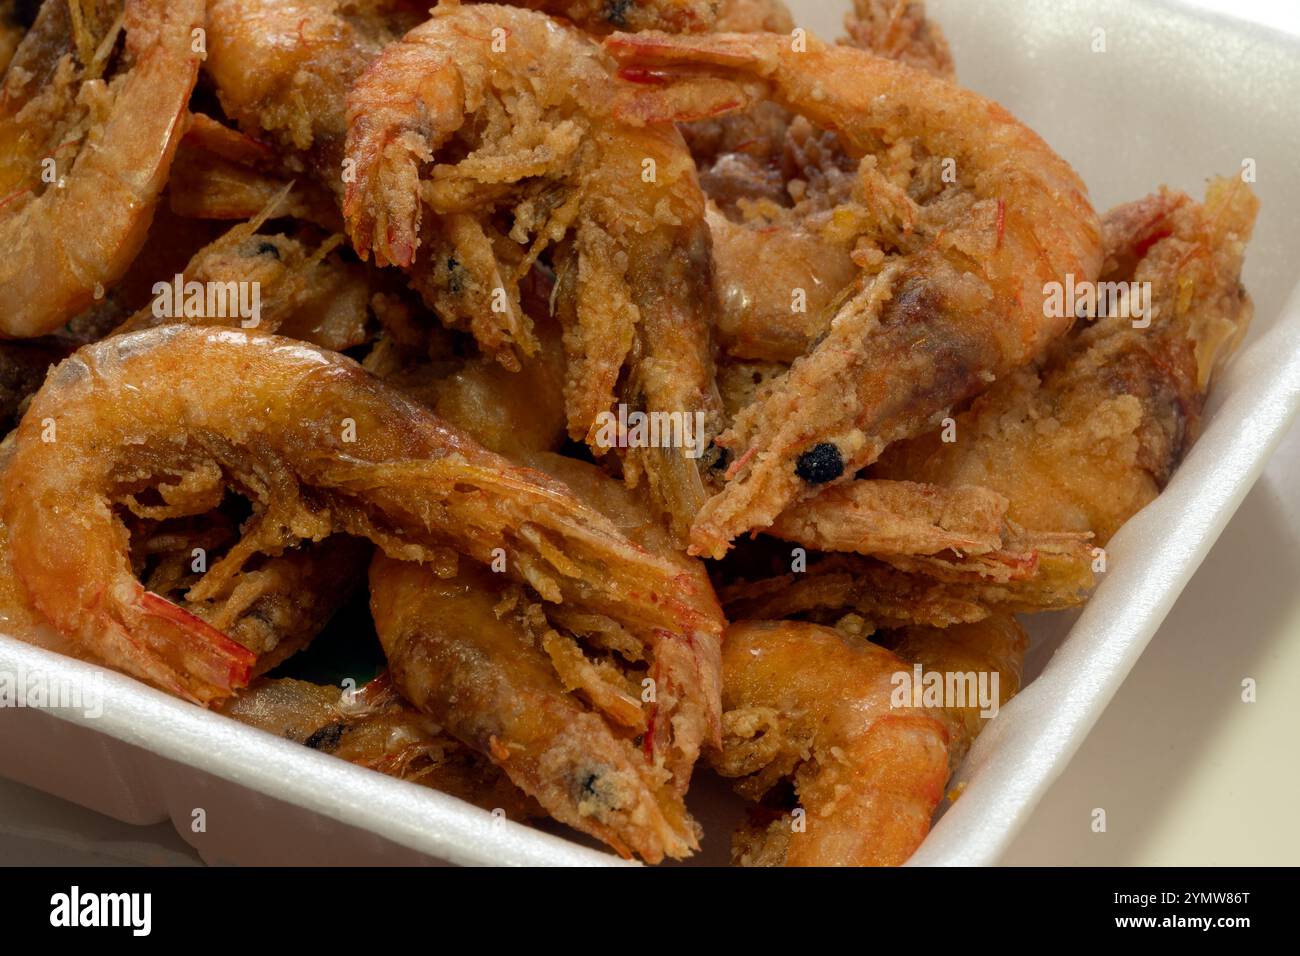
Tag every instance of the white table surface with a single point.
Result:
(1186, 771)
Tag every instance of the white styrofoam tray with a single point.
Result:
(1177, 96)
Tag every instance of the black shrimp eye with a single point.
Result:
(616, 12)
(327, 738)
(455, 285)
(717, 458)
(267, 249)
(820, 464)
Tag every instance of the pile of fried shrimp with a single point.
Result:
(660, 380)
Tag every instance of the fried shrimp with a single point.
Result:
(783, 190)
(1042, 574)
(597, 667)
(510, 161)
(1084, 443)
(376, 729)
(303, 291)
(319, 446)
(284, 68)
(920, 332)
(463, 652)
(805, 702)
(820, 708)
(70, 235)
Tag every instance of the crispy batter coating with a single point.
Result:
(1084, 443)
(921, 332)
(1050, 577)
(363, 460)
(814, 706)
(470, 165)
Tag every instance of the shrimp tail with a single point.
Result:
(188, 656)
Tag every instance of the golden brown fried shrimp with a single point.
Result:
(414, 101)
(922, 332)
(221, 173)
(1040, 575)
(376, 729)
(302, 292)
(685, 666)
(284, 68)
(899, 30)
(463, 652)
(1084, 444)
(994, 645)
(808, 703)
(271, 606)
(784, 190)
(683, 716)
(456, 118)
(70, 235)
(319, 446)
(782, 193)
(822, 709)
